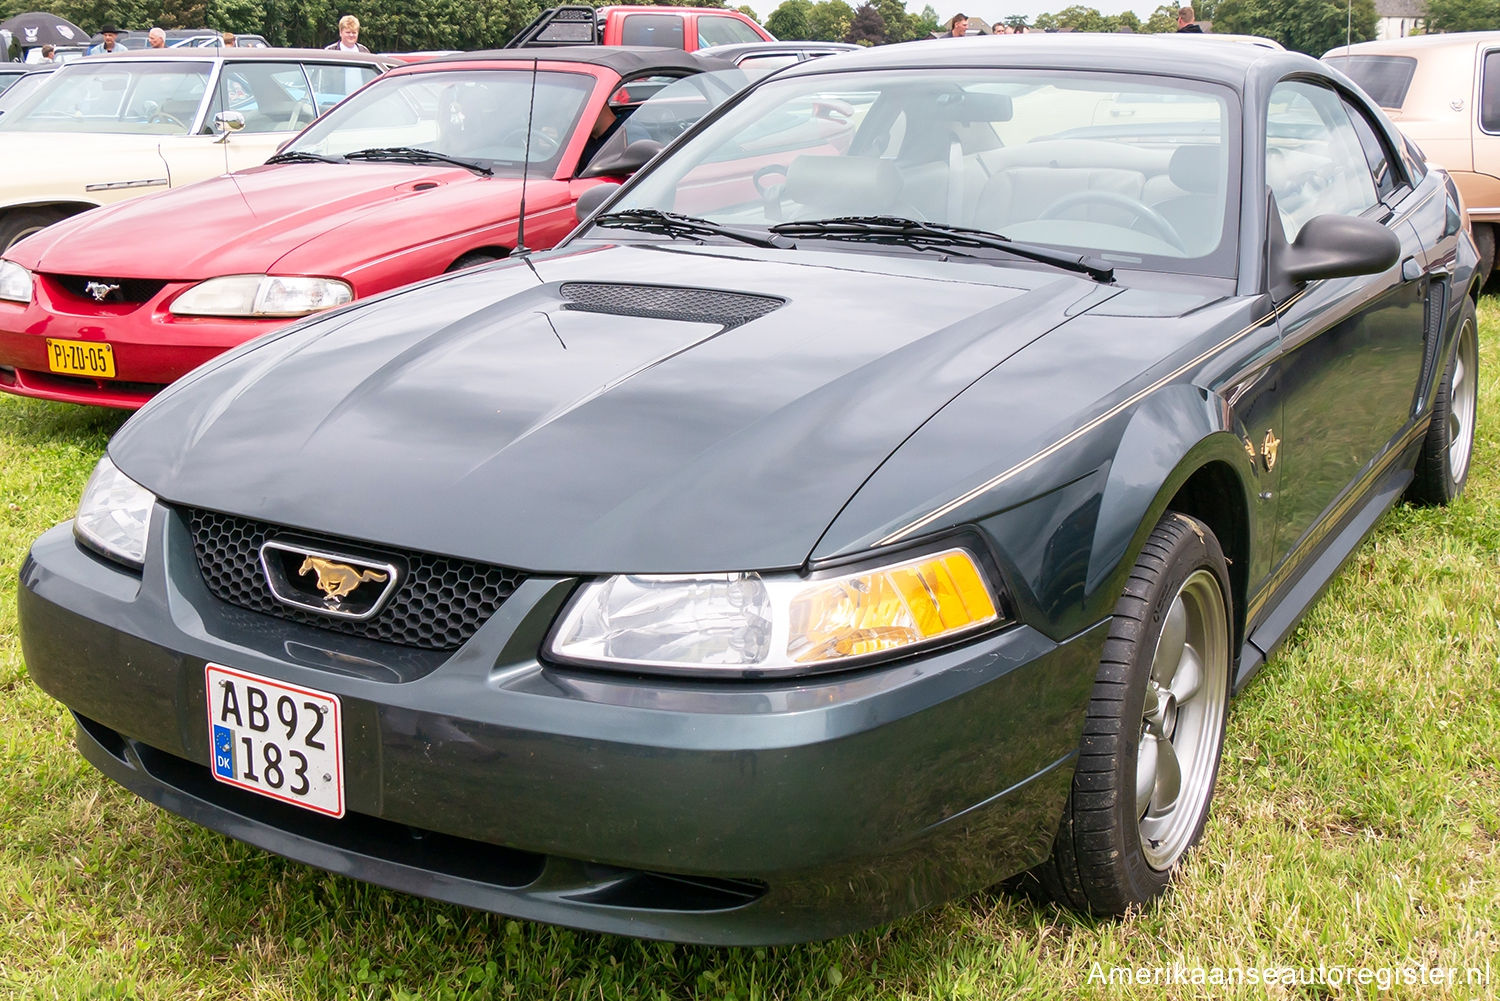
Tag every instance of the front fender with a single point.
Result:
(1174, 434)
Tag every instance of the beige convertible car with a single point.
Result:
(108, 128)
(1442, 91)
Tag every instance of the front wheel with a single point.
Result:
(1443, 465)
(1155, 728)
(17, 224)
(474, 259)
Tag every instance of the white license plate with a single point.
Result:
(279, 740)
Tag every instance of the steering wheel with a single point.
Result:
(770, 191)
(1139, 212)
(165, 118)
(540, 140)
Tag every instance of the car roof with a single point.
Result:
(1417, 43)
(733, 50)
(625, 60)
(669, 9)
(1221, 36)
(206, 55)
(1227, 62)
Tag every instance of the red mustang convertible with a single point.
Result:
(417, 174)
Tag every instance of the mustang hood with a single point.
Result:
(245, 223)
(582, 415)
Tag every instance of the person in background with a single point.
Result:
(229, 38)
(1187, 20)
(602, 131)
(348, 36)
(958, 26)
(156, 38)
(49, 53)
(108, 46)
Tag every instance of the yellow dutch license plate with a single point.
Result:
(81, 358)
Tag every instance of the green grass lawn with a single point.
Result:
(1357, 825)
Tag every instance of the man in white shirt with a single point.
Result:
(348, 36)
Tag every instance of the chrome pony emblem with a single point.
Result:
(326, 582)
(100, 290)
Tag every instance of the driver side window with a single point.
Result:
(1315, 164)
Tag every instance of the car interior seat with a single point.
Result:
(1195, 208)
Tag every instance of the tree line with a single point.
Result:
(1311, 26)
(385, 25)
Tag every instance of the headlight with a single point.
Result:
(262, 295)
(114, 514)
(15, 282)
(748, 623)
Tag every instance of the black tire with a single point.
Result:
(18, 224)
(1484, 241)
(1447, 452)
(473, 259)
(1109, 855)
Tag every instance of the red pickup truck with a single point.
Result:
(688, 28)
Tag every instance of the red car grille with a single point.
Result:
(109, 290)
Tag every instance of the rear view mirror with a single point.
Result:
(228, 121)
(970, 106)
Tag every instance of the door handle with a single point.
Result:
(1410, 270)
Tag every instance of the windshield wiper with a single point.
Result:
(674, 224)
(895, 229)
(410, 154)
(298, 156)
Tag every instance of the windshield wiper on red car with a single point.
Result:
(899, 230)
(410, 154)
(299, 156)
(674, 224)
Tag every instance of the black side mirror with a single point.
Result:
(1338, 246)
(593, 198)
(626, 162)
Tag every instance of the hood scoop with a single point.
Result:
(667, 302)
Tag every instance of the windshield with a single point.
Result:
(1134, 169)
(475, 115)
(23, 88)
(148, 98)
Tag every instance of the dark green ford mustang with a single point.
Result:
(881, 495)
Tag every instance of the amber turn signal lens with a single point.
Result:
(889, 608)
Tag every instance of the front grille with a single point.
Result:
(665, 302)
(439, 604)
(130, 289)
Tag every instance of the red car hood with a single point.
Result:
(293, 218)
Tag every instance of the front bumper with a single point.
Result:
(151, 346)
(728, 812)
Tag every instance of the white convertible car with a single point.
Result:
(108, 128)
